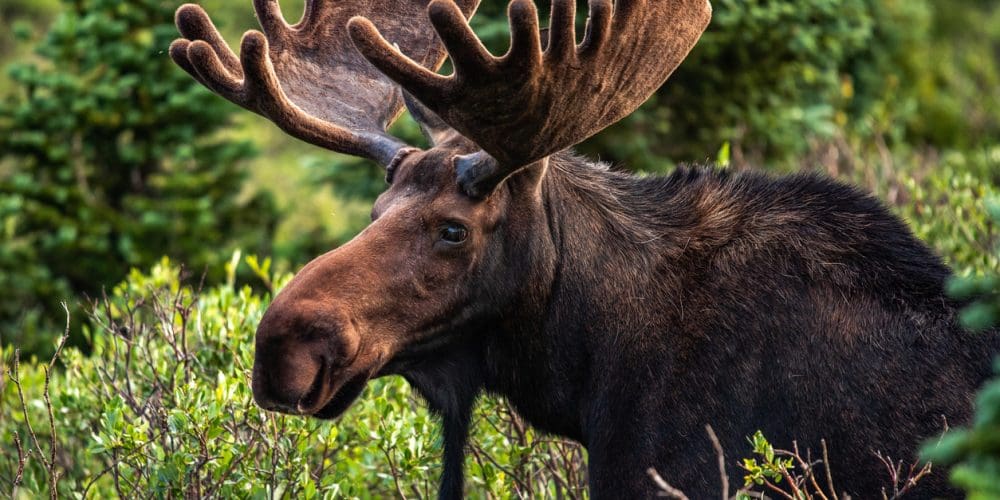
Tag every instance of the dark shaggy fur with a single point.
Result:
(649, 307)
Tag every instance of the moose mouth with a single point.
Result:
(339, 399)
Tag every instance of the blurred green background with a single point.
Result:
(112, 158)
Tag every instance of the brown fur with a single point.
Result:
(627, 314)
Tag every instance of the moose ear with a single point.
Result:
(434, 129)
(478, 175)
(473, 172)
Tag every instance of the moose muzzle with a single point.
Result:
(303, 361)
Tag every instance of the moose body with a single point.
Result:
(654, 306)
(625, 313)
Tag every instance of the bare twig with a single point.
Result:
(53, 473)
(21, 460)
(665, 489)
(53, 442)
(799, 483)
(829, 474)
(901, 485)
(63, 339)
(815, 483)
(392, 470)
(722, 461)
(15, 377)
(784, 494)
(49, 463)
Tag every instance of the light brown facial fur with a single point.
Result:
(350, 311)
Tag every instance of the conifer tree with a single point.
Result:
(110, 158)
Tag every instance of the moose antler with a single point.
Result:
(530, 103)
(308, 78)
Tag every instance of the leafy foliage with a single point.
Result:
(976, 450)
(778, 78)
(770, 468)
(110, 159)
(984, 291)
(163, 407)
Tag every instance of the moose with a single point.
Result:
(622, 312)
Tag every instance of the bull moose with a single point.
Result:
(622, 312)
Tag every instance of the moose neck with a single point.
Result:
(592, 266)
(597, 248)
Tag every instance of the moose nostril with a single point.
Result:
(285, 371)
(261, 388)
(271, 395)
(313, 399)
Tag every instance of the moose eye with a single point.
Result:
(454, 233)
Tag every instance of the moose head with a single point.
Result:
(449, 245)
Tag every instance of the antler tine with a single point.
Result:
(525, 44)
(307, 78)
(598, 26)
(562, 30)
(271, 20)
(464, 47)
(198, 30)
(407, 73)
(530, 103)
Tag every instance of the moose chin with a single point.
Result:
(619, 311)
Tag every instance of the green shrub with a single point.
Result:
(975, 451)
(776, 78)
(110, 158)
(767, 76)
(163, 407)
(949, 207)
(957, 88)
